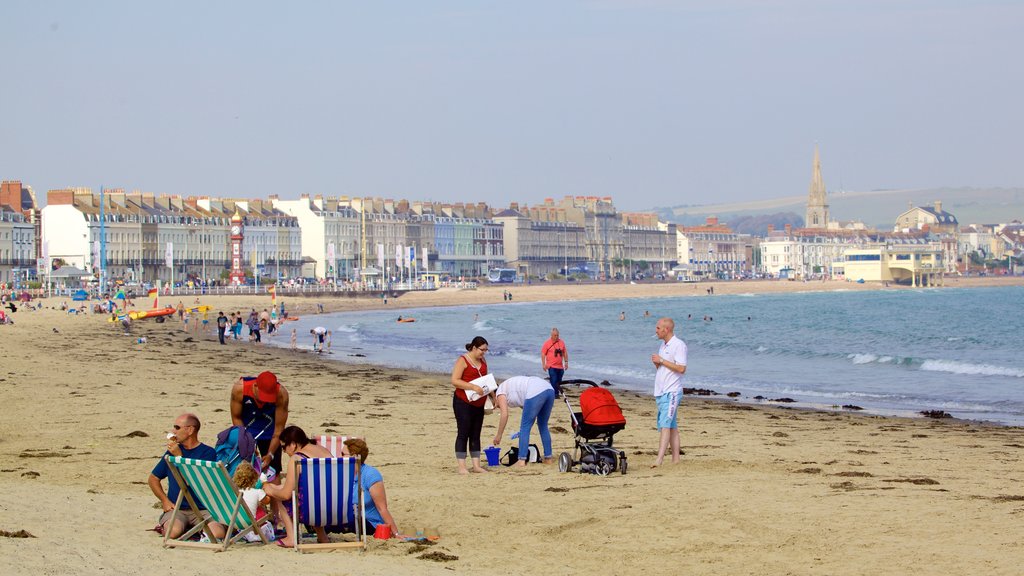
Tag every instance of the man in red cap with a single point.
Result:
(261, 405)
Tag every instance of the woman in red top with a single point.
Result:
(469, 416)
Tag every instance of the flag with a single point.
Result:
(398, 256)
(152, 292)
(426, 267)
(380, 257)
(273, 297)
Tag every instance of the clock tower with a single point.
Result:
(237, 275)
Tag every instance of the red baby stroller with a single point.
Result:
(595, 427)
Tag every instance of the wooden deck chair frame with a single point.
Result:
(328, 487)
(334, 443)
(216, 490)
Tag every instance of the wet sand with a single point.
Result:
(761, 489)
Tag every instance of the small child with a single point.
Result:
(294, 338)
(328, 341)
(255, 499)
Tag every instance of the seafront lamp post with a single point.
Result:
(565, 250)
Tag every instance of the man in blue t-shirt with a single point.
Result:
(182, 441)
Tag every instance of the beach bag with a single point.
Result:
(235, 445)
(512, 456)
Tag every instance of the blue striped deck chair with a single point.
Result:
(216, 491)
(327, 494)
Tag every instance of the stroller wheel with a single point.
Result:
(564, 462)
(622, 465)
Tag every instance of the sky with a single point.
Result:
(653, 103)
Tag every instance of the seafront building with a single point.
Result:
(19, 233)
(166, 238)
(585, 234)
(366, 239)
(17, 247)
(917, 262)
(712, 250)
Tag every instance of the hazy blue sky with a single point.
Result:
(654, 103)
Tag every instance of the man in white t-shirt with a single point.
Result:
(319, 333)
(670, 362)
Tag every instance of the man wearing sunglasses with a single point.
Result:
(183, 440)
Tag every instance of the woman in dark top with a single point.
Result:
(469, 416)
(297, 445)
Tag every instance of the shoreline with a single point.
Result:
(549, 292)
(773, 487)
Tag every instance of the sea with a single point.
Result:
(889, 352)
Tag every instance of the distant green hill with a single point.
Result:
(878, 208)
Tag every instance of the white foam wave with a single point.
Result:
(863, 358)
(516, 354)
(761, 349)
(968, 368)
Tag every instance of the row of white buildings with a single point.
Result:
(145, 237)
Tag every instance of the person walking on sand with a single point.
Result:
(222, 326)
(670, 362)
(469, 415)
(554, 358)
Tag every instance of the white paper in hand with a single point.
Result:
(486, 382)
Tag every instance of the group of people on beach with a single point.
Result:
(260, 404)
(536, 397)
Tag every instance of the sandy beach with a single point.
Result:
(761, 489)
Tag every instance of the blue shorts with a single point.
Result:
(668, 404)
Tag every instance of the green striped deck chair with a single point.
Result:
(216, 491)
(327, 494)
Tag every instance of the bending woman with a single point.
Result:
(469, 416)
(297, 446)
(536, 397)
(372, 484)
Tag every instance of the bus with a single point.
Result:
(501, 275)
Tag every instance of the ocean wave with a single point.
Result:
(863, 358)
(971, 369)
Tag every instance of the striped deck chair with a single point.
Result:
(215, 490)
(327, 494)
(334, 443)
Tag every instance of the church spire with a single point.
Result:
(817, 208)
